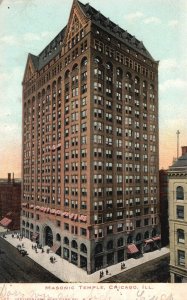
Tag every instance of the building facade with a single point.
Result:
(90, 143)
(164, 218)
(10, 202)
(177, 175)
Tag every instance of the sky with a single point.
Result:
(29, 25)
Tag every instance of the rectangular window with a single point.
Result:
(181, 258)
(180, 212)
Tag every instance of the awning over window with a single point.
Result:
(5, 222)
(71, 216)
(131, 249)
(52, 211)
(83, 218)
(148, 241)
(156, 238)
(35, 235)
(65, 214)
(55, 247)
(58, 212)
(75, 217)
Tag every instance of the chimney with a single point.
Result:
(13, 178)
(9, 177)
(184, 150)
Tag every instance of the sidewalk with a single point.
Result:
(68, 272)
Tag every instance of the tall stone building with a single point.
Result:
(177, 175)
(90, 143)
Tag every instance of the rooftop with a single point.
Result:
(55, 46)
(180, 164)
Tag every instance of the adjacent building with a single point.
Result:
(164, 218)
(10, 202)
(90, 143)
(177, 175)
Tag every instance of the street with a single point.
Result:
(15, 268)
(151, 272)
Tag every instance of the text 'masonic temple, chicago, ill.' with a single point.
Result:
(90, 143)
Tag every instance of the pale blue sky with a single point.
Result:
(28, 25)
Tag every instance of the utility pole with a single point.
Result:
(178, 132)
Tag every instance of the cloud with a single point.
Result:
(9, 40)
(173, 23)
(152, 20)
(27, 37)
(173, 84)
(168, 64)
(134, 16)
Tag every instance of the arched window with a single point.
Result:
(180, 236)
(54, 85)
(120, 242)
(67, 74)
(74, 244)
(109, 66)
(58, 237)
(146, 235)
(144, 84)
(83, 248)
(31, 226)
(180, 193)
(98, 248)
(136, 80)
(98, 60)
(75, 68)
(128, 75)
(27, 224)
(129, 239)
(37, 228)
(84, 62)
(66, 241)
(110, 245)
(119, 72)
(154, 232)
(138, 237)
(23, 223)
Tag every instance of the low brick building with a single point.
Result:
(10, 202)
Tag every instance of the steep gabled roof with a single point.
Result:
(87, 12)
(104, 23)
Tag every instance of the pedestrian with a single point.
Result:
(106, 271)
(101, 274)
(12, 236)
(36, 250)
(42, 250)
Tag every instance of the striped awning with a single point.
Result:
(156, 238)
(71, 216)
(75, 217)
(58, 212)
(55, 247)
(148, 241)
(5, 222)
(132, 249)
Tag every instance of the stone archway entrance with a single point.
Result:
(48, 236)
